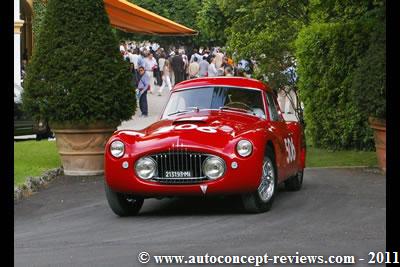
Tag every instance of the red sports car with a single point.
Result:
(216, 136)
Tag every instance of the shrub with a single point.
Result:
(329, 56)
(369, 83)
(77, 74)
(39, 9)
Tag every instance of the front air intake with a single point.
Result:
(179, 166)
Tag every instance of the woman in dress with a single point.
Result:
(166, 81)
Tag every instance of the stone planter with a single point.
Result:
(379, 127)
(82, 148)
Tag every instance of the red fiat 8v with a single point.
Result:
(216, 136)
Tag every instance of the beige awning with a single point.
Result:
(132, 18)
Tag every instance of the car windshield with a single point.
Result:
(226, 98)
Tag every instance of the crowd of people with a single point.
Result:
(153, 66)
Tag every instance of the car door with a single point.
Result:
(285, 159)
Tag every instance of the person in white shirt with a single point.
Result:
(186, 64)
(196, 55)
(122, 48)
(133, 57)
(155, 46)
(212, 69)
(126, 55)
(161, 62)
(150, 64)
(129, 46)
(166, 81)
(203, 67)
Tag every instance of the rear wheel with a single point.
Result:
(295, 182)
(261, 200)
(123, 204)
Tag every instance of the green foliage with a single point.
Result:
(341, 10)
(328, 55)
(342, 72)
(265, 31)
(211, 23)
(39, 9)
(369, 82)
(77, 74)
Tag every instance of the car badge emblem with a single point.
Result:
(203, 188)
(178, 144)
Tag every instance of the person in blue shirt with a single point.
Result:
(143, 87)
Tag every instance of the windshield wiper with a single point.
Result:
(184, 110)
(238, 109)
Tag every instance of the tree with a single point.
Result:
(77, 74)
(265, 31)
(211, 23)
(39, 9)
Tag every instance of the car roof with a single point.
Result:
(222, 81)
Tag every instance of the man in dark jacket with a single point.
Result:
(178, 67)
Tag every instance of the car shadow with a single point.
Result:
(198, 206)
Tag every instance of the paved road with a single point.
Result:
(156, 104)
(338, 212)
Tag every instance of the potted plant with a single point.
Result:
(78, 81)
(369, 86)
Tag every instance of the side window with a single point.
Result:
(271, 107)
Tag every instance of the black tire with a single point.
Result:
(123, 204)
(295, 182)
(253, 202)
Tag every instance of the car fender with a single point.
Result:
(300, 143)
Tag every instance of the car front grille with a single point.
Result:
(179, 166)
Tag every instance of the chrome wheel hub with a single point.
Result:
(267, 185)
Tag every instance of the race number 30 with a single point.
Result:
(290, 149)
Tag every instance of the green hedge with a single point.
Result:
(329, 56)
(39, 9)
(369, 82)
(76, 73)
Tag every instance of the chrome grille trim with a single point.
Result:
(179, 158)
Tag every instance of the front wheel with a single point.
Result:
(261, 200)
(123, 204)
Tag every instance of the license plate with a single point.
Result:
(178, 174)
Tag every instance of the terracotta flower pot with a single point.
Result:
(379, 127)
(81, 148)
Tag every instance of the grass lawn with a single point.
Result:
(324, 158)
(33, 158)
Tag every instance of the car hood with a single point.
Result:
(208, 129)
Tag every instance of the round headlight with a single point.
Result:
(117, 149)
(145, 168)
(214, 167)
(244, 148)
